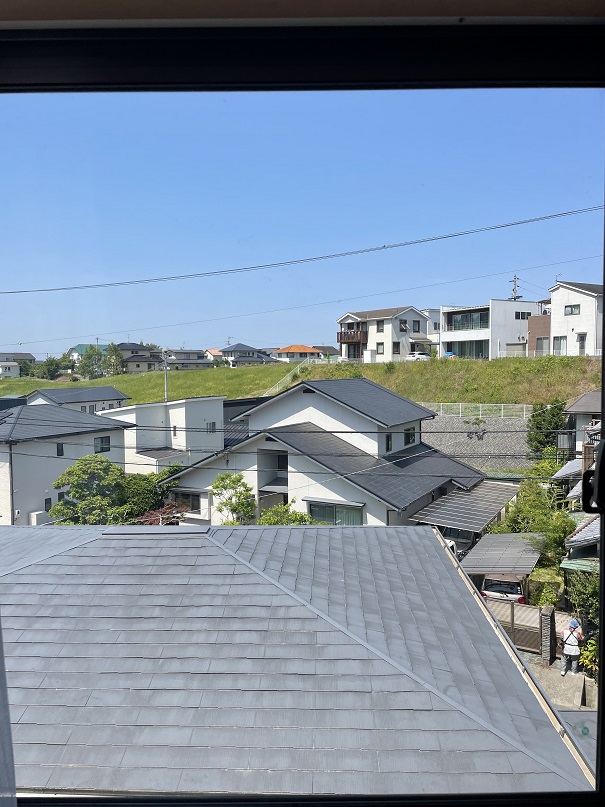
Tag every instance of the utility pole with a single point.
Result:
(515, 295)
(165, 357)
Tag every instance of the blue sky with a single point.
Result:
(113, 187)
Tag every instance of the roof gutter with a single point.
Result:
(10, 484)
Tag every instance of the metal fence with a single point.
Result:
(480, 410)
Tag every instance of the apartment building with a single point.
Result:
(382, 335)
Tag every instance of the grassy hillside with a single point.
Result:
(440, 380)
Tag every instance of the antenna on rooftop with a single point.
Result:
(515, 295)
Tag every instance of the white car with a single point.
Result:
(417, 355)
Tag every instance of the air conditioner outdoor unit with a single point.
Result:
(17, 513)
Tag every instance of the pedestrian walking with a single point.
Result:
(571, 638)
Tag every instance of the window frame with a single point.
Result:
(380, 348)
(569, 312)
(569, 53)
(102, 444)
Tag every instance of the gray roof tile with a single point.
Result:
(238, 684)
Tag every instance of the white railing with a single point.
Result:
(285, 381)
(485, 410)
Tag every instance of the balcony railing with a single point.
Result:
(467, 326)
(344, 337)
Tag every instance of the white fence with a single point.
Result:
(480, 410)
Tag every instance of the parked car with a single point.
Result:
(503, 587)
(417, 355)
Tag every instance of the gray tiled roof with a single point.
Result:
(571, 468)
(47, 420)
(468, 510)
(379, 404)
(505, 552)
(587, 404)
(587, 534)
(398, 481)
(308, 660)
(81, 394)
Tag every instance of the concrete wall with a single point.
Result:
(36, 465)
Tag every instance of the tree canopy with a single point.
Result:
(283, 514)
(545, 422)
(91, 363)
(234, 498)
(112, 362)
(100, 492)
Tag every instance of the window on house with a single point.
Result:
(415, 326)
(60, 451)
(409, 435)
(48, 503)
(403, 325)
(137, 365)
(388, 442)
(559, 345)
(102, 445)
(174, 431)
(542, 345)
(150, 366)
(436, 326)
(60, 495)
(111, 406)
(211, 427)
(572, 309)
(380, 325)
(336, 515)
(380, 348)
(396, 349)
(91, 409)
(187, 501)
(82, 409)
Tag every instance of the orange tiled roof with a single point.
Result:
(297, 349)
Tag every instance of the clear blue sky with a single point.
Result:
(111, 187)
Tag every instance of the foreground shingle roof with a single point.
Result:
(47, 420)
(265, 660)
(81, 394)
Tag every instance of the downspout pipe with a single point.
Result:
(10, 484)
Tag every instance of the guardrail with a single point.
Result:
(486, 410)
(285, 381)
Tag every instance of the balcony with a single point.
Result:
(467, 326)
(344, 337)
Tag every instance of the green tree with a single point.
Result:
(66, 362)
(235, 498)
(144, 493)
(534, 511)
(26, 368)
(283, 514)
(91, 363)
(545, 421)
(112, 362)
(50, 368)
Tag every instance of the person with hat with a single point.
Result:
(571, 638)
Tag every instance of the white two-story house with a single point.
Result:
(38, 443)
(496, 330)
(382, 335)
(169, 432)
(346, 451)
(576, 319)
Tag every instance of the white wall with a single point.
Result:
(180, 425)
(9, 369)
(589, 320)
(36, 466)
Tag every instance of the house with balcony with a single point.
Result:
(382, 335)
(583, 423)
(345, 451)
(496, 330)
(576, 319)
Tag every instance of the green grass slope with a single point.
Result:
(438, 380)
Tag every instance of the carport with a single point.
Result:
(464, 515)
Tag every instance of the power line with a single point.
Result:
(313, 259)
(315, 304)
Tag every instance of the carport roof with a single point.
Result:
(468, 510)
(507, 552)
